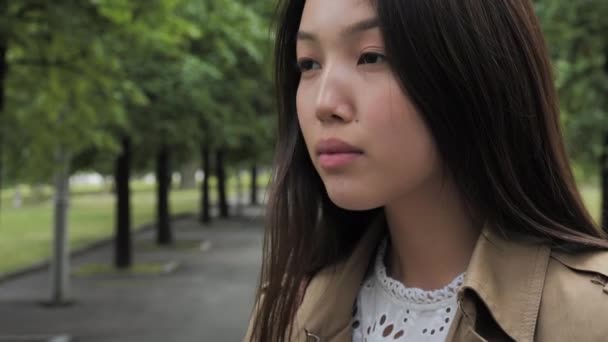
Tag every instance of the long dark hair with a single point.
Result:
(479, 73)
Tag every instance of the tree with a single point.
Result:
(3, 72)
(103, 85)
(235, 106)
(156, 62)
(61, 74)
(205, 212)
(122, 241)
(577, 34)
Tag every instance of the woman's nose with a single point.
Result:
(335, 97)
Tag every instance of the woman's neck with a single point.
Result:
(432, 236)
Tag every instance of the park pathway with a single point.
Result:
(208, 297)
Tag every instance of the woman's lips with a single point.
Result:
(337, 160)
(335, 153)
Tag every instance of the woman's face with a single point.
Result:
(366, 139)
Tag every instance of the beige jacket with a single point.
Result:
(511, 292)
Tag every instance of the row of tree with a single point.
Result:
(120, 86)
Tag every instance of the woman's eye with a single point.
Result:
(371, 58)
(304, 65)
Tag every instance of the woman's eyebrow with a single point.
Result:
(358, 27)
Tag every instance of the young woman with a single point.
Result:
(421, 190)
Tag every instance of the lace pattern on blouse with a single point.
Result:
(411, 294)
(387, 310)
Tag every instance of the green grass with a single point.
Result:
(45, 192)
(25, 233)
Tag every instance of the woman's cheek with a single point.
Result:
(306, 118)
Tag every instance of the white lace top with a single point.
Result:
(386, 310)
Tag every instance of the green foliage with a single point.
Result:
(577, 35)
(165, 72)
(186, 72)
(60, 77)
(203, 85)
(25, 237)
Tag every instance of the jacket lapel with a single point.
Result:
(509, 278)
(326, 309)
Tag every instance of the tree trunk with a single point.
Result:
(205, 216)
(221, 182)
(604, 176)
(60, 262)
(122, 239)
(238, 211)
(163, 182)
(3, 73)
(254, 185)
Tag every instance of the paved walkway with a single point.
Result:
(208, 297)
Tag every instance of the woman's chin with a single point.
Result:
(353, 201)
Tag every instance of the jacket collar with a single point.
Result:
(507, 276)
(327, 305)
